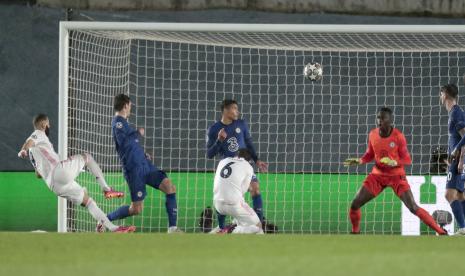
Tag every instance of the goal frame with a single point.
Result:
(67, 26)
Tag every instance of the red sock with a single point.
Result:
(355, 216)
(428, 220)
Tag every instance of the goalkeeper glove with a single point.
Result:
(388, 161)
(352, 161)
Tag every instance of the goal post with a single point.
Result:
(177, 74)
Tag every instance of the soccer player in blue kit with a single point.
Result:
(455, 176)
(226, 137)
(138, 169)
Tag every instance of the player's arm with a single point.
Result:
(366, 158)
(123, 131)
(455, 153)
(404, 155)
(23, 153)
(214, 141)
(263, 166)
(25, 148)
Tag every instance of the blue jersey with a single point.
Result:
(456, 123)
(238, 136)
(126, 139)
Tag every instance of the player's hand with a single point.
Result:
(222, 135)
(388, 162)
(453, 155)
(22, 154)
(352, 162)
(148, 157)
(141, 131)
(262, 166)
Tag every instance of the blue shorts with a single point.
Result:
(141, 176)
(454, 181)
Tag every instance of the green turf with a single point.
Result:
(201, 254)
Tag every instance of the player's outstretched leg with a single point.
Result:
(408, 200)
(102, 219)
(169, 189)
(95, 170)
(363, 196)
(257, 202)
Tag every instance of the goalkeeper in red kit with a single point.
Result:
(388, 147)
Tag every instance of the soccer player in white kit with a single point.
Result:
(232, 181)
(60, 175)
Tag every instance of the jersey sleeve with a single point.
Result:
(248, 141)
(369, 153)
(213, 144)
(122, 131)
(37, 137)
(404, 155)
(457, 118)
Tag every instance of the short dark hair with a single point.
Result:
(386, 110)
(119, 101)
(39, 118)
(451, 90)
(226, 103)
(244, 153)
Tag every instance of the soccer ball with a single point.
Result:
(313, 71)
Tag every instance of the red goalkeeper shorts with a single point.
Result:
(375, 184)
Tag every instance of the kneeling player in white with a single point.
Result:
(232, 181)
(60, 175)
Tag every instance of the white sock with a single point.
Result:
(99, 215)
(94, 169)
(251, 229)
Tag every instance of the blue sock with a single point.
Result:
(120, 213)
(457, 209)
(221, 220)
(171, 209)
(463, 207)
(258, 206)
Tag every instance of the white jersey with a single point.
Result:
(232, 180)
(42, 155)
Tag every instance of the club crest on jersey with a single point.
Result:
(238, 130)
(119, 125)
(233, 145)
(139, 194)
(392, 144)
(34, 136)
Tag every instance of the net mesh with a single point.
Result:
(303, 129)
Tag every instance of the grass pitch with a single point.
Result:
(201, 254)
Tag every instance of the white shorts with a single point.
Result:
(242, 212)
(63, 179)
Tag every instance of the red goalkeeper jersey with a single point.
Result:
(394, 147)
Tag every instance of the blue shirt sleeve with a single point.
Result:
(119, 132)
(213, 144)
(248, 141)
(123, 131)
(458, 119)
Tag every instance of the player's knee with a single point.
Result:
(254, 189)
(136, 210)
(355, 204)
(412, 208)
(85, 199)
(450, 196)
(87, 157)
(167, 187)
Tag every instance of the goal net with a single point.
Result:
(177, 74)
